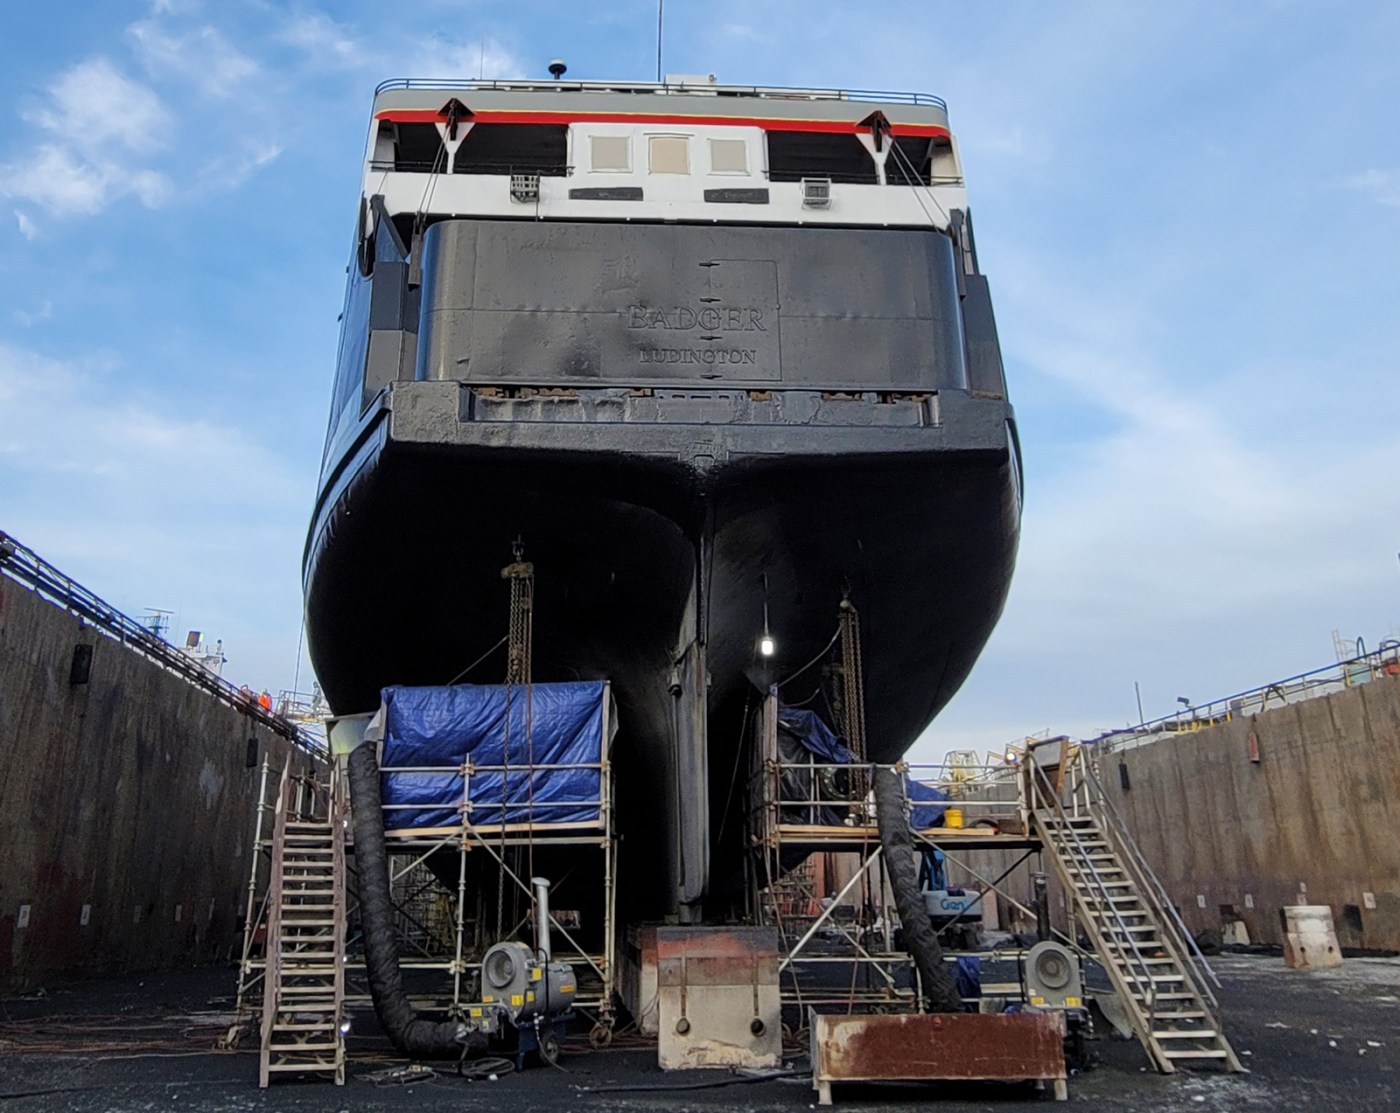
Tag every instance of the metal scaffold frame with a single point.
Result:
(788, 824)
(409, 850)
(500, 843)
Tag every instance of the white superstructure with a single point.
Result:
(688, 151)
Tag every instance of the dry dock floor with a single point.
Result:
(1325, 1041)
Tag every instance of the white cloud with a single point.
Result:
(152, 506)
(93, 103)
(26, 226)
(58, 418)
(742, 32)
(67, 183)
(1382, 186)
(105, 136)
(1184, 538)
(453, 59)
(202, 57)
(98, 125)
(326, 43)
(28, 318)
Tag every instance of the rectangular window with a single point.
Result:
(669, 154)
(487, 149)
(729, 156)
(610, 153)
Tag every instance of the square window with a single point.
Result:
(729, 156)
(670, 154)
(610, 152)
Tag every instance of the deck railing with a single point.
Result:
(653, 87)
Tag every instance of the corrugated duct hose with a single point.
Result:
(920, 940)
(410, 1033)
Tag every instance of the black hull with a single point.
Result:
(660, 520)
(417, 540)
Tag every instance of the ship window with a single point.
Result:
(909, 161)
(610, 152)
(669, 154)
(729, 156)
(515, 149)
(794, 155)
(487, 149)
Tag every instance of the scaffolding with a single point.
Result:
(461, 886)
(441, 926)
(463, 912)
(799, 810)
(1044, 809)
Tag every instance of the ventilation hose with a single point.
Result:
(411, 1034)
(920, 940)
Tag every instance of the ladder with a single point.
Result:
(1150, 957)
(304, 985)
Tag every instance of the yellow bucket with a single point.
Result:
(953, 817)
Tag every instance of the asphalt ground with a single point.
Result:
(1324, 1040)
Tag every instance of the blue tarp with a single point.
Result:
(925, 799)
(486, 725)
(814, 735)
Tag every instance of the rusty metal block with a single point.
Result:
(937, 1047)
(718, 1002)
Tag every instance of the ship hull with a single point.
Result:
(699, 435)
(642, 555)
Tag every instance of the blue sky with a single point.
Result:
(1190, 214)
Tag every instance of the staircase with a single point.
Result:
(1152, 961)
(303, 992)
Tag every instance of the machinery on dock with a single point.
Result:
(527, 998)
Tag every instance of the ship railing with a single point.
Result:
(773, 92)
(1363, 668)
(26, 567)
(847, 922)
(832, 801)
(515, 810)
(479, 169)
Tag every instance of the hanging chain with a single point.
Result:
(519, 664)
(522, 606)
(852, 695)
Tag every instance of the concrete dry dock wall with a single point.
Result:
(1316, 820)
(126, 805)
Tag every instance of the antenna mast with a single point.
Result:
(660, 14)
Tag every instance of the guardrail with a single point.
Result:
(824, 794)
(1361, 669)
(640, 87)
(24, 566)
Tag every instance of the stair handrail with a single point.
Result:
(1139, 973)
(1074, 766)
(337, 813)
(1153, 889)
(272, 970)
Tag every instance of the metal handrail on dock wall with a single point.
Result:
(1323, 681)
(24, 566)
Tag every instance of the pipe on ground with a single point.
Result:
(414, 1036)
(920, 939)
